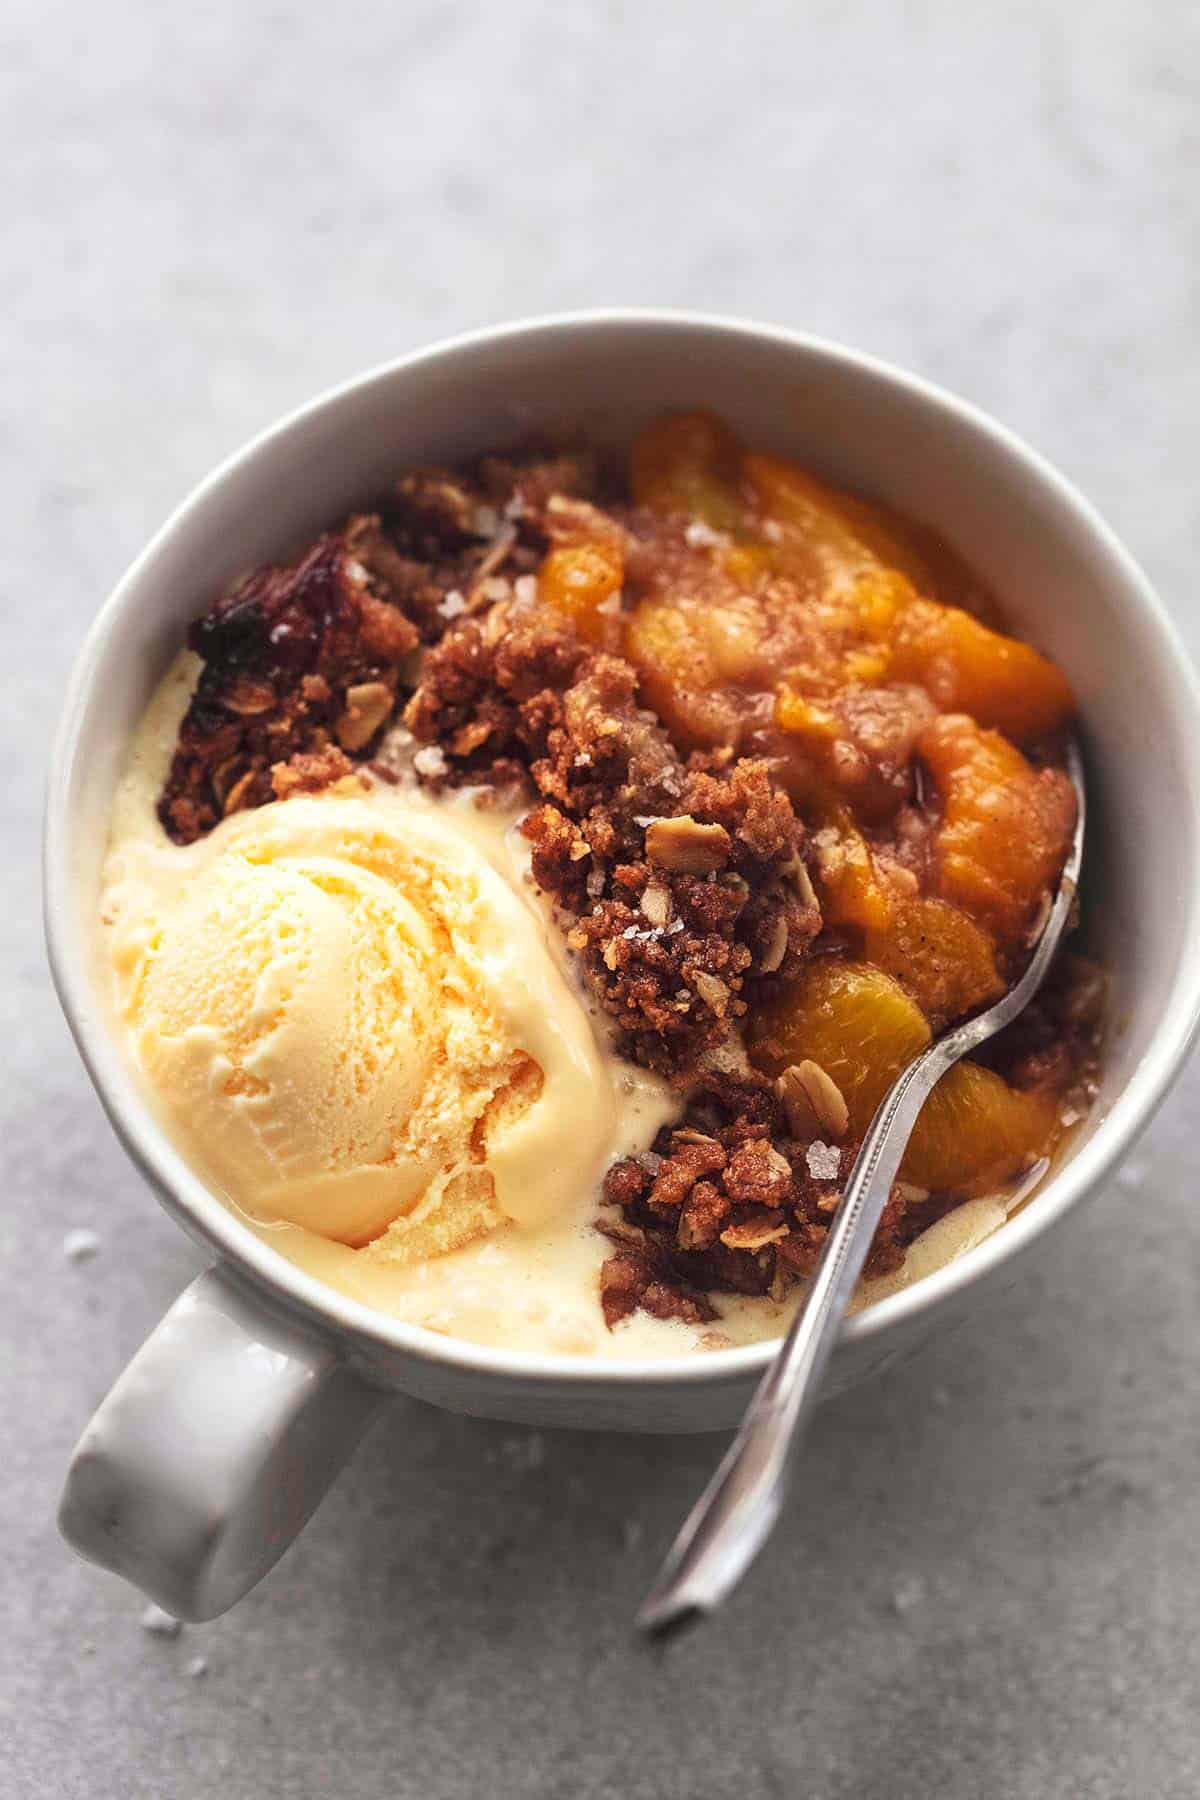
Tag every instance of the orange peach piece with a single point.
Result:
(943, 959)
(578, 580)
(1005, 827)
(863, 1030)
(966, 667)
(688, 463)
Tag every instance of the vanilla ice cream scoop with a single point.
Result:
(356, 1025)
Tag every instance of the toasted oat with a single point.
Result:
(368, 704)
(754, 1234)
(810, 1096)
(495, 622)
(686, 847)
(799, 875)
(713, 991)
(238, 794)
(248, 696)
(776, 946)
(656, 903)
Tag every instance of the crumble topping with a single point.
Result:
(682, 876)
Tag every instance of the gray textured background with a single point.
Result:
(990, 1584)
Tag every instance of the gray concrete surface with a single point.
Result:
(989, 1584)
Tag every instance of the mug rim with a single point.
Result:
(198, 1210)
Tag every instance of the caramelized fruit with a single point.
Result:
(1005, 825)
(939, 956)
(689, 463)
(965, 667)
(579, 579)
(863, 1029)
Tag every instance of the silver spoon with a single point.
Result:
(736, 1513)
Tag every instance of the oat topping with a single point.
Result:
(529, 626)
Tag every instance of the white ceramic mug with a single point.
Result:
(226, 1429)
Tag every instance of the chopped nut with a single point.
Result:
(831, 853)
(779, 1164)
(687, 847)
(798, 874)
(367, 706)
(236, 798)
(656, 903)
(755, 1234)
(910, 1193)
(687, 1134)
(496, 623)
(713, 991)
(224, 776)
(470, 737)
(776, 945)
(810, 1096)
(249, 697)
(491, 560)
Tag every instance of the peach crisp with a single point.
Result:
(793, 796)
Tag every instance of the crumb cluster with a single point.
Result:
(683, 881)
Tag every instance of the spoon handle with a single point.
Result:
(735, 1514)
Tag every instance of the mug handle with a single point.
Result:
(213, 1449)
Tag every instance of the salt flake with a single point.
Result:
(824, 1161)
(430, 760)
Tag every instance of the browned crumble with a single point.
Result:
(682, 883)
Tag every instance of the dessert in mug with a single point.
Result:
(519, 902)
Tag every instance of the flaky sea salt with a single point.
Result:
(80, 1246)
(701, 536)
(824, 1161)
(430, 760)
(452, 605)
(525, 589)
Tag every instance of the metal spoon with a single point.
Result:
(735, 1514)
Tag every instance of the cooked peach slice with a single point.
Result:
(578, 580)
(943, 959)
(854, 1020)
(863, 1029)
(845, 537)
(692, 654)
(964, 666)
(689, 463)
(1005, 826)
(975, 1131)
(852, 892)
